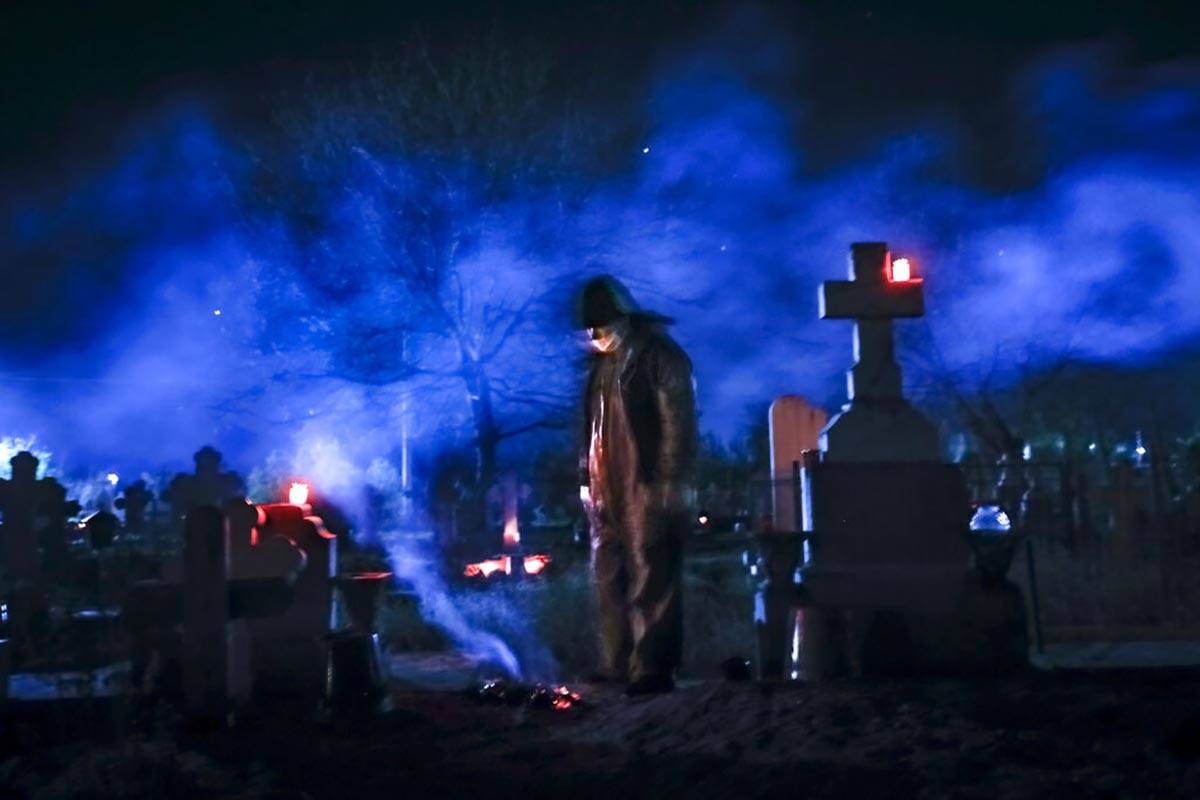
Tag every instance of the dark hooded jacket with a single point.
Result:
(657, 389)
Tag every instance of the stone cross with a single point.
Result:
(134, 501)
(872, 299)
(207, 486)
(877, 424)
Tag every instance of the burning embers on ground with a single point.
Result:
(538, 695)
(515, 563)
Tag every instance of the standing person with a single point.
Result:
(639, 444)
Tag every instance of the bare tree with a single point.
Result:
(421, 203)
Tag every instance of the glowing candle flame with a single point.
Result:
(298, 494)
(512, 530)
(901, 271)
(512, 533)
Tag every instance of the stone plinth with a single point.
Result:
(905, 548)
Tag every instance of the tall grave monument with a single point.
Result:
(885, 584)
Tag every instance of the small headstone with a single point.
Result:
(102, 529)
(795, 426)
(133, 501)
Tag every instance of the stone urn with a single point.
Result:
(993, 542)
(774, 597)
(355, 677)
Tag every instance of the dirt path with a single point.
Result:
(1060, 735)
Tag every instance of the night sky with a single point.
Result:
(751, 140)
(76, 73)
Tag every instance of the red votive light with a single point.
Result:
(901, 271)
(298, 494)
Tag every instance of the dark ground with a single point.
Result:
(1132, 734)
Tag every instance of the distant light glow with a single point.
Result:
(1093, 447)
(645, 150)
(702, 519)
(216, 312)
(1140, 450)
(298, 493)
(112, 478)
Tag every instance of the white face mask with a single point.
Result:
(608, 338)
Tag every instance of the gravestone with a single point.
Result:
(242, 579)
(795, 426)
(102, 527)
(289, 649)
(54, 530)
(206, 615)
(877, 424)
(886, 585)
(20, 497)
(133, 501)
(208, 485)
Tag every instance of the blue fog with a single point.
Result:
(153, 311)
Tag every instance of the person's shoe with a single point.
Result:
(650, 684)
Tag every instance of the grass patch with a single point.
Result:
(551, 623)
